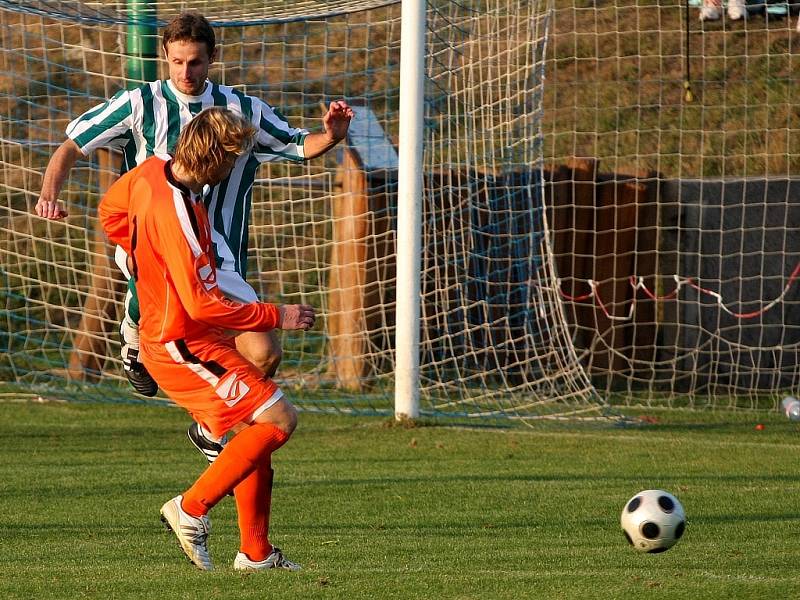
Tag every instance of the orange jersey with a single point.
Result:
(164, 227)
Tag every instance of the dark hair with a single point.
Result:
(190, 27)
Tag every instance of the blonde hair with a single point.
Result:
(208, 139)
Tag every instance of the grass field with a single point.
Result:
(379, 511)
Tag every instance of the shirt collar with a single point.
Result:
(186, 98)
(175, 183)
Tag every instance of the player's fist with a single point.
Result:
(50, 209)
(296, 316)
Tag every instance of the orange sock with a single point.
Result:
(253, 500)
(240, 457)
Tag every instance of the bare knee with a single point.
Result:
(261, 349)
(268, 363)
(282, 414)
(287, 418)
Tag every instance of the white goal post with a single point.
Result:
(409, 208)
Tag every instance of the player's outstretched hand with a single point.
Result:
(50, 209)
(296, 316)
(337, 120)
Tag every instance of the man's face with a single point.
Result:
(188, 66)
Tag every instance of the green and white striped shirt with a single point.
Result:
(147, 120)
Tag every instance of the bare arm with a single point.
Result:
(62, 161)
(336, 122)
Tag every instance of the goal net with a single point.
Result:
(494, 340)
(610, 200)
(674, 148)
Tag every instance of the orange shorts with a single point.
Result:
(210, 379)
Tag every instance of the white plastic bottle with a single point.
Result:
(791, 408)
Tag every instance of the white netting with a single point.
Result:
(494, 340)
(219, 12)
(674, 149)
(670, 146)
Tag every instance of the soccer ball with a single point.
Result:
(653, 521)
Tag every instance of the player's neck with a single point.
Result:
(182, 176)
(187, 96)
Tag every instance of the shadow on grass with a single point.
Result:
(571, 478)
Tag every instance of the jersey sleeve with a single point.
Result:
(113, 212)
(107, 125)
(276, 139)
(193, 274)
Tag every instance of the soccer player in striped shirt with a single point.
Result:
(146, 121)
(155, 212)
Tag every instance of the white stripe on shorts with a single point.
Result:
(270, 401)
(204, 373)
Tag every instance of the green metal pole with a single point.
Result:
(142, 41)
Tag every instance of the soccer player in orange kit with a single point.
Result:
(156, 213)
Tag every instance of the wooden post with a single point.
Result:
(605, 229)
(346, 322)
(89, 346)
(614, 264)
(645, 323)
(363, 257)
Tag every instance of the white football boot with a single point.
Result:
(276, 560)
(192, 532)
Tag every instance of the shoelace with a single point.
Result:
(196, 535)
(281, 560)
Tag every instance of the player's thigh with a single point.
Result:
(259, 343)
(259, 346)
